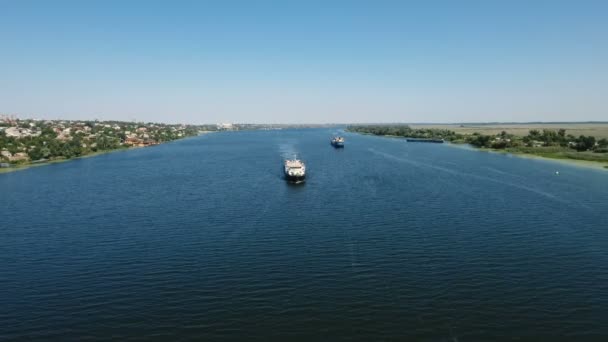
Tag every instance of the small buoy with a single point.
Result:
(557, 172)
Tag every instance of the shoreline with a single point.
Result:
(597, 165)
(566, 161)
(30, 165)
(60, 160)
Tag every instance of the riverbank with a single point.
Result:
(25, 166)
(28, 165)
(548, 144)
(595, 164)
(565, 161)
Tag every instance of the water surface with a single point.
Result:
(201, 239)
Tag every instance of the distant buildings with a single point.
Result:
(18, 132)
(19, 156)
(66, 139)
(225, 127)
(136, 141)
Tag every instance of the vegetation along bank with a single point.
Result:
(547, 143)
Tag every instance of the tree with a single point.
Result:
(534, 134)
(38, 153)
(549, 137)
(585, 143)
(479, 140)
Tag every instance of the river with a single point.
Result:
(202, 239)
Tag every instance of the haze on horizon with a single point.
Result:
(305, 62)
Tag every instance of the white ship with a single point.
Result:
(295, 170)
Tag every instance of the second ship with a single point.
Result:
(337, 142)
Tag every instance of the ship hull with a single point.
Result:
(295, 179)
(337, 144)
(435, 141)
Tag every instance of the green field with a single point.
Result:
(560, 153)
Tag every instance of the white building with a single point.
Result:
(225, 126)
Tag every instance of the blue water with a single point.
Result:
(202, 239)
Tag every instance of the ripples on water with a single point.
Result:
(201, 239)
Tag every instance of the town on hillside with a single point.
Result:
(30, 140)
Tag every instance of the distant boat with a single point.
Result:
(437, 141)
(337, 142)
(295, 170)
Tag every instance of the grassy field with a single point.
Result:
(598, 130)
(560, 153)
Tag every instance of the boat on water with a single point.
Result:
(337, 142)
(295, 170)
(436, 141)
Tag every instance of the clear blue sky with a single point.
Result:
(305, 61)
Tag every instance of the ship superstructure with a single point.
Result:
(295, 170)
